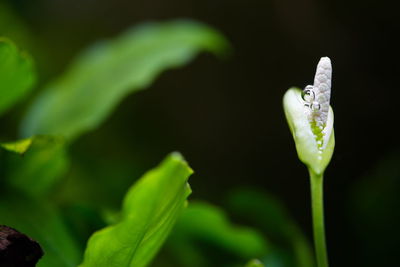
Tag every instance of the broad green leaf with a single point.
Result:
(43, 163)
(97, 80)
(149, 211)
(204, 236)
(266, 213)
(304, 138)
(42, 222)
(254, 263)
(16, 74)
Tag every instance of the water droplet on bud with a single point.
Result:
(315, 106)
(308, 94)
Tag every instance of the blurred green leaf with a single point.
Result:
(149, 211)
(96, 82)
(41, 221)
(19, 147)
(254, 263)
(16, 74)
(266, 213)
(43, 163)
(203, 236)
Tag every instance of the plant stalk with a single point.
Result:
(317, 203)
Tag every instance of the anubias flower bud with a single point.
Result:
(310, 118)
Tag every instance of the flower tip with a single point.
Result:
(325, 63)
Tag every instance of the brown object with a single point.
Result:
(17, 249)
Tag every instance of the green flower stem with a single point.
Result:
(317, 200)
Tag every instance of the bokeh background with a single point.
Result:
(226, 116)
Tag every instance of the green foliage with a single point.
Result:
(43, 163)
(149, 211)
(29, 174)
(16, 74)
(78, 101)
(95, 83)
(19, 147)
(203, 236)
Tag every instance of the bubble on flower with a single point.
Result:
(308, 94)
(315, 106)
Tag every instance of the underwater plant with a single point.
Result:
(310, 119)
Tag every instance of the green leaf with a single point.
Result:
(254, 263)
(43, 163)
(149, 211)
(19, 147)
(305, 141)
(204, 236)
(41, 221)
(16, 74)
(95, 83)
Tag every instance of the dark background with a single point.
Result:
(226, 117)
